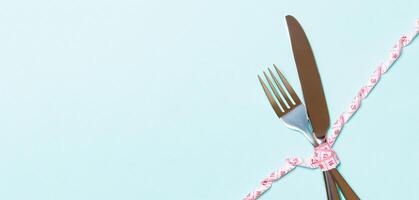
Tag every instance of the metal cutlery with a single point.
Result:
(314, 98)
(291, 111)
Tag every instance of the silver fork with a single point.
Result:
(291, 111)
(294, 115)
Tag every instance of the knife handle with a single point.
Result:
(331, 189)
(347, 191)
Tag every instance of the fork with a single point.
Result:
(294, 115)
(291, 111)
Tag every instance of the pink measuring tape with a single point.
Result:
(324, 156)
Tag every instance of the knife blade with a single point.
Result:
(311, 86)
(315, 100)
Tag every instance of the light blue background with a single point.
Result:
(160, 100)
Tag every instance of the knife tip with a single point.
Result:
(288, 17)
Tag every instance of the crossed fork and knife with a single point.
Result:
(311, 119)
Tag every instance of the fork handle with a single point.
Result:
(331, 189)
(347, 191)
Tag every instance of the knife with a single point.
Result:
(315, 101)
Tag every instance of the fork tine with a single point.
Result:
(291, 91)
(281, 102)
(287, 99)
(272, 101)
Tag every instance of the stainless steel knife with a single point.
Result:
(315, 101)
